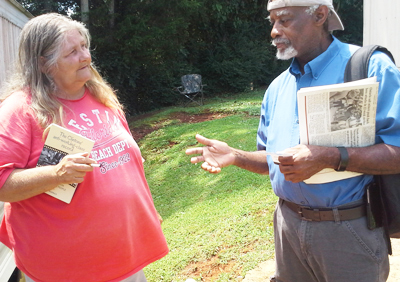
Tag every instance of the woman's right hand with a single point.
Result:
(73, 168)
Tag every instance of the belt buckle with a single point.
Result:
(300, 212)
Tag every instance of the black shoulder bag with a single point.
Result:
(357, 68)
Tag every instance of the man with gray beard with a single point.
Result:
(321, 231)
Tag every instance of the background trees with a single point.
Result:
(143, 47)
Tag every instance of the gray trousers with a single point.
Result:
(327, 251)
(137, 277)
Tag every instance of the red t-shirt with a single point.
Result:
(110, 230)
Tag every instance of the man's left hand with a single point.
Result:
(306, 160)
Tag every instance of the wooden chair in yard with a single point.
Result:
(192, 88)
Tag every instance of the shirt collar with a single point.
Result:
(317, 66)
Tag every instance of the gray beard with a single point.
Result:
(286, 54)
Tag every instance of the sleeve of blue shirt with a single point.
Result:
(261, 133)
(388, 108)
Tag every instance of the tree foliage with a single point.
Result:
(351, 14)
(143, 47)
(38, 7)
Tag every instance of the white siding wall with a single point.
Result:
(382, 25)
(7, 264)
(12, 19)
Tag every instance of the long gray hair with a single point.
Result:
(40, 46)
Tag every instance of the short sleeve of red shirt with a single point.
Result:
(17, 129)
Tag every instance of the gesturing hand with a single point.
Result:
(215, 155)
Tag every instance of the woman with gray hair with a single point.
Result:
(110, 230)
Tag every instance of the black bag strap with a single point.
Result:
(385, 221)
(357, 66)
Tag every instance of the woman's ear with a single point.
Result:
(42, 62)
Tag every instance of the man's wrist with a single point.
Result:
(344, 159)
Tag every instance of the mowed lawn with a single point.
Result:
(218, 227)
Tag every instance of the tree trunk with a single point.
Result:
(85, 11)
(111, 9)
(48, 6)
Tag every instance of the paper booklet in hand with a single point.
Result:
(338, 115)
(59, 143)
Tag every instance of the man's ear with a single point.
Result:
(321, 15)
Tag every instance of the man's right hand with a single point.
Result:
(214, 155)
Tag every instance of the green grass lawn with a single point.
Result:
(218, 227)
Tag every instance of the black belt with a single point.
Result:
(325, 214)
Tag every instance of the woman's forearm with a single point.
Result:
(22, 184)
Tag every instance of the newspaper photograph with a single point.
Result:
(339, 115)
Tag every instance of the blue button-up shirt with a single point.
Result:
(279, 121)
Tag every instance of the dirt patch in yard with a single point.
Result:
(210, 270)
(141, 131)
